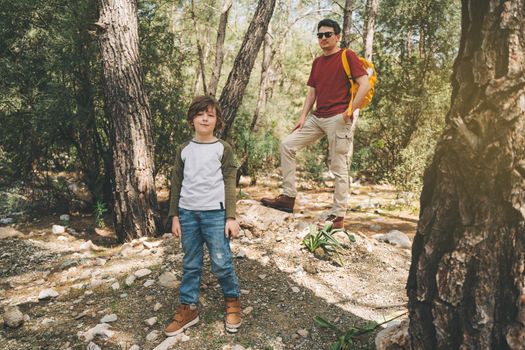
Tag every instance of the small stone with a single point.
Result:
(241, 254)
(247, 310)
(142, 273)
(13, 317)
(149, 283)
(130, 279)
(64, 217)
(115, 286)
(47, 293)
(58, 229)
(134, 347)
(6, 221)
(262, 276)
(124, 295)
(101, 262)
(93, 346)
(152, 335)
(245, 291)
(151, 321)
(303, 333)
(168, 280)
(109, 318)
(238, 347)
(157, 306)
(295, 289)
(101, 329)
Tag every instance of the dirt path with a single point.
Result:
(283, 286)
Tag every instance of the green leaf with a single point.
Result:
(324, 323)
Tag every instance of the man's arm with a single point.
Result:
(307, 107)
(364, 87)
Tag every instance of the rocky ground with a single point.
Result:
(77, 289)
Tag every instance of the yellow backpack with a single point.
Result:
(372, 78)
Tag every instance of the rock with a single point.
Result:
(115, 286)
(142, 273)
(6, 221)
(247, 310)
(151, 321)
(295, 289)
(101, 262)
(152, 335)
(149, 283)
(88, 246)
(157, 306)
(170, 341)
(238, 347)
(394, 337)
(303, 333)
(47, 293)
(168, 280)
(95, 282)
(93, 346)
(134, 347)
(130, 279)
(375, 227)
(151, 245)
(109, 318)
(13, 317)
(396, 238)
(262, 276)
(102, 329)
(64, 217)
(241, 254)
(58, 229)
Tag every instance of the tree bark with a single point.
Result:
(268, 54)
(135, 200)
(466, 284)
(232, 93)
(200, 53)
(371, 14)
(347, 23)
(219, 48)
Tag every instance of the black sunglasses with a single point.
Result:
(326, 35)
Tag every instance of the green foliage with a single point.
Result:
(324, 239)
(98, 211)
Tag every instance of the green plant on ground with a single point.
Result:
(324, 239)
(99, 211)
(347, 338)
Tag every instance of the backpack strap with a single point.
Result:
(346, 67)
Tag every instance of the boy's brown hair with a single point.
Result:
(201, 104)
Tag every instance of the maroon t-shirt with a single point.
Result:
(331, 84)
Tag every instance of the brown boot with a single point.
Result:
(233, 314)
(338, 222)
(186, 316)
(281, 202)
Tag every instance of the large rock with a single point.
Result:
(13, 317)
(396, 238)
(394, 337)
(259, 218)
(168, 280)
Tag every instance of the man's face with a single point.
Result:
(325, 43)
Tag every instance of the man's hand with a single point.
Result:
(299, 124)
(175, 226)
(347, 116)
(231, 229)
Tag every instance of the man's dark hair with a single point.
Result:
(201, 104)
(330, 23)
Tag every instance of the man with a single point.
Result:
(328, 85)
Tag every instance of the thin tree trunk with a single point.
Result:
(347, 23)
(466, 284)
(371, 14)
(233, 91)
(200, 53)
(268, 54)
(219, 48)
(135, 200)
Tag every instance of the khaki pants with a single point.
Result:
(340, 142)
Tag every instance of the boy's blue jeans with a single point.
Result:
(199, 227)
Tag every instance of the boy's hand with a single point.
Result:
(175, 226)
(231, 229)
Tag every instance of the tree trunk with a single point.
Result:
(466, 285)
(200, 53)
(233, 91)
(371, 14)
(347, 23)
(219, 48)
(135, 200)
(268, 54)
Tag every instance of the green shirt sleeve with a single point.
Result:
(176, 182)
(229, 173)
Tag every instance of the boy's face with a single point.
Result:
(204, 122)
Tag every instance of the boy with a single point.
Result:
(202, 205)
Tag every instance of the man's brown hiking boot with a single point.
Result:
(338, 222)
(185, 316)
(281, 202)
(233, 314)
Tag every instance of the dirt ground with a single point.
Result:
(283, 285)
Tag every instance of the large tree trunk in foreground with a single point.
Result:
(370, 26)
(233, 91)
(466, 285)
(219, 47)
(135, 205)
